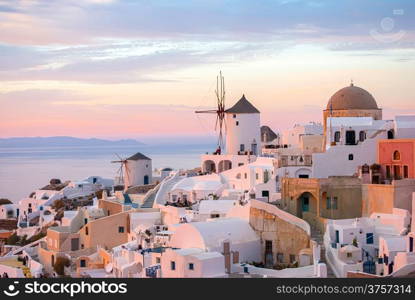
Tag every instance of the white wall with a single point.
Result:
(335, 161)
(137, 169)
(292, 137)
(247, 130)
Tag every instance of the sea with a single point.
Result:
(23, 170)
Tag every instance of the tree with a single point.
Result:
(60, 264)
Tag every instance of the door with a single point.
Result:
(269, 259)
(390, 268)
(146, 180)
(350, 137)
(75, 244)
(305, 203)
(265, 194)
(337, 236)
(411, 244)
(369, 267)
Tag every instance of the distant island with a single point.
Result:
(64, 141)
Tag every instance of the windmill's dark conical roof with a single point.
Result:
(243, 106)
(138, 156)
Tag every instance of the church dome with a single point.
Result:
(352, 97)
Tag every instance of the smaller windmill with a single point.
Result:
(220, 111)
(123, 168)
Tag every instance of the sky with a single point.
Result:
(139, 69)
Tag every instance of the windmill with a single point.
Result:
(220, 111)
(120, 171)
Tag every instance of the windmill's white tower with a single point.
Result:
(137, 170)
(243, 129)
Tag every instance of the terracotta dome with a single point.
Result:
(352, 97)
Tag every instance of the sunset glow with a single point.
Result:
(127, 68)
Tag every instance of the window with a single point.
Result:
(351, 156)
(349, 254)
(240, 164)
(242, 147)
(191, 266)
(237, 123)
(280, 257)
(238, 176)
(234, 116)
(256, 176)
(266, 176)
(328, 203)
(86, 230)
(245, 176)
(82, 263)
(405, 172)
(362, 136)
(173, 265)
(369, 238)
(396, 155)
(388, 172)
(121, 229)
(337, 136)
(85, 221)
(158, 260)
(334, 203)
(214, 216)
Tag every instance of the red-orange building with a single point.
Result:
(397, 158)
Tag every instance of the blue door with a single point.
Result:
(305, 203)
(369, 267)
(146, 181)
(337, 237)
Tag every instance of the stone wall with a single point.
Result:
(287, 238)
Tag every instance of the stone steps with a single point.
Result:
(317, 236)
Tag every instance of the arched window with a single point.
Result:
(238, 176)
(351, 156)
(362, 136)
(396, 155)
(391, 135)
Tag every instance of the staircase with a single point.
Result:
(150, 197)
(317, 236)
(165, 187)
